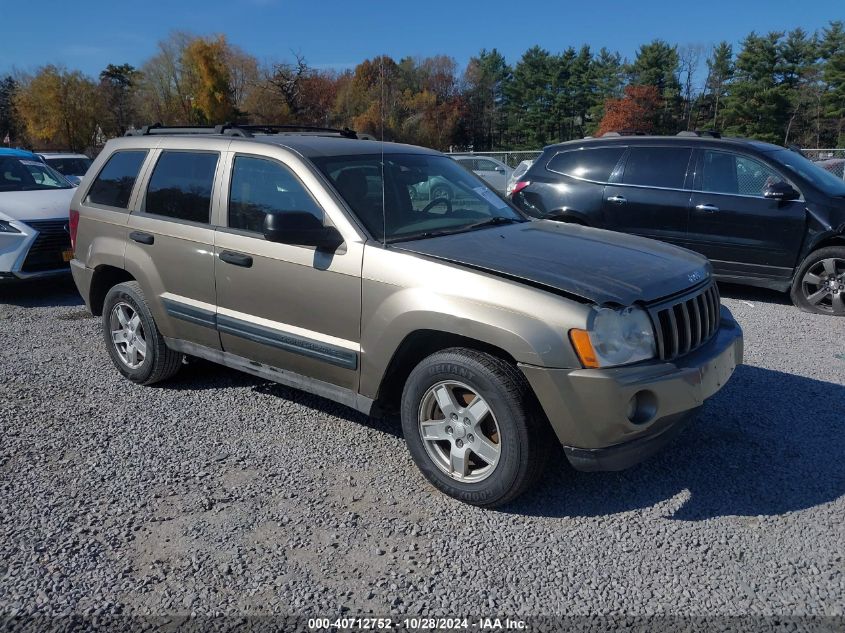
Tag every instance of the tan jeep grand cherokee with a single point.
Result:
(388, 278)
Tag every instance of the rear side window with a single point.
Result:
(657, 166)
(261, 186)
(114, 183)
(590, 164)
(180, 186)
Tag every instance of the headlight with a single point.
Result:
(616, 337)
(6, 227)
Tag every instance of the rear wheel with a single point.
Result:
(473, 427)
(819, 285)
(133, 341)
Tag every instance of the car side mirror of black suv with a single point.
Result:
(301, 228)
(780, 191)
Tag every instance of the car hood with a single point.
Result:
(592, 264)
(45, 204)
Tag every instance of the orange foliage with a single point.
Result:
(637, 110)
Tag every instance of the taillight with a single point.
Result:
(519, 186)
(73, 225)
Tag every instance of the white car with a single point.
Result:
(494, 172)
(518, 172)
(71, 166)
(34, 217)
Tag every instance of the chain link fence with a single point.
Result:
(511, 159)
(833, 160)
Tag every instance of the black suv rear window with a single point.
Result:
(114, 183)
(180, 186)
(657, 166)
(589, 164)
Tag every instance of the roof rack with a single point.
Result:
(709, 133)
(626, 132)
(246, 131)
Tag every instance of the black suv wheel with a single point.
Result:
(819, 285)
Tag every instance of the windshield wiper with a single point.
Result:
(494, 221)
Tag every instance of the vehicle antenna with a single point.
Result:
(383, 196)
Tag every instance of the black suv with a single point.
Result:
(765, 215)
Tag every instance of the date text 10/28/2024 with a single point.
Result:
(417, 624)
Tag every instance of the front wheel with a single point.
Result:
(473, 427)
(819, 284)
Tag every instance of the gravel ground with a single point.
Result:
(220, 493)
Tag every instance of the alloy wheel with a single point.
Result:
(459, 431)
(127, 334)
(823, 285)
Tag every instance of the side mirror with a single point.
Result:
(780, 190)
(300, 228)
(500, 170)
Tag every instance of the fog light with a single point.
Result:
(641, 407)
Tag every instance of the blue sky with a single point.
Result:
(88, 34)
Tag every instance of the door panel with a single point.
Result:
(287, 306)
(649, 197)
(741, 232)
(293, 308)
(172, 257)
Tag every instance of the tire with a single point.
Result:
(819, 284)
(515, 426)
(158, 362)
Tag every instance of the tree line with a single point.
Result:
(786, 88)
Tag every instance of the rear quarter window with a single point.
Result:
(113, 185)
(588, 164)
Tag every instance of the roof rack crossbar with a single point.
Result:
(709, 133)
(228, 129)
(275, 129)
(157, 128)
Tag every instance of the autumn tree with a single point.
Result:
(639, 110)
(60, 107)
(209, 80)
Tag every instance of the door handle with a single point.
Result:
(706, 208)
(236, 259)
(617, 199)
(142, 238)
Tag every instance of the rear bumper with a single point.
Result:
(589, 409)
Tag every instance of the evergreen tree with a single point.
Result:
(758, 105)
(484, 119)
(832, 50)
(657, 65)
(531, 100)
(10, 123)
(720, 70)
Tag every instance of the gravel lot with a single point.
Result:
(222, 493)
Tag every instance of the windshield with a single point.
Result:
(807, 169)
(423, 195)
(21, 174)
(70, 166)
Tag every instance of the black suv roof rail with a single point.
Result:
(626, 132)
(709, 133)
(247, 131)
